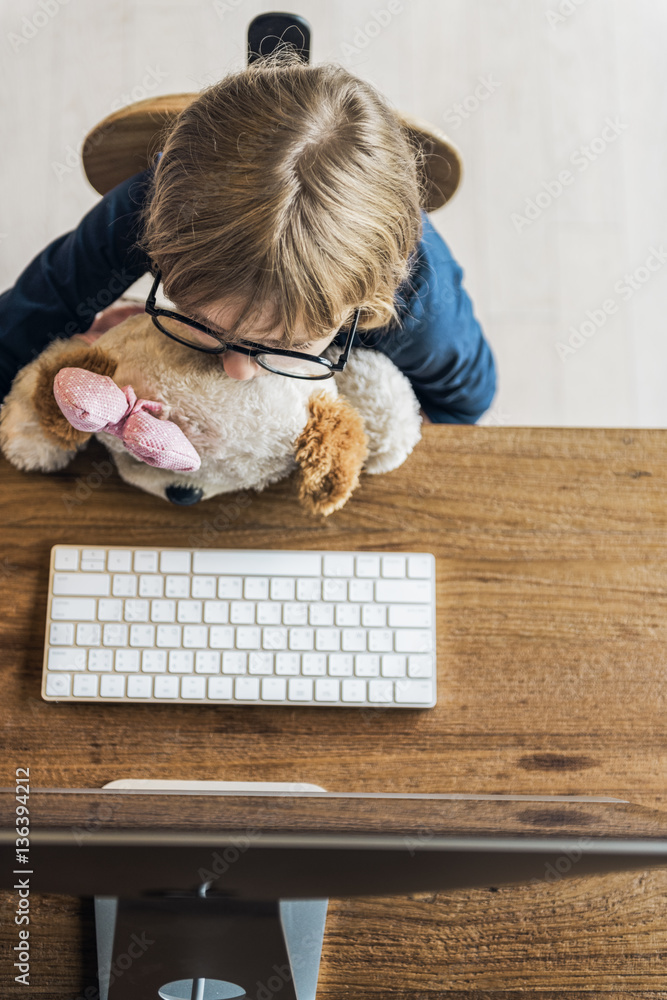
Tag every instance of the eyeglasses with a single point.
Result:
(293, 364)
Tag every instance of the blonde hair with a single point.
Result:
(292, 187)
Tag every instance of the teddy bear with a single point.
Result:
(181, 429)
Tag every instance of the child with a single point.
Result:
(285, 197)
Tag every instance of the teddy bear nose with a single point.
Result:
(184, 495)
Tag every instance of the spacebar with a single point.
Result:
(253, 563)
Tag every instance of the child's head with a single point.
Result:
(287, 195)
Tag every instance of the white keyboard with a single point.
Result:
(240, 626)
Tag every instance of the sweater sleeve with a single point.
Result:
(73, 278)
(439, 345)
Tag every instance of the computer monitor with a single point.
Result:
(230, 888)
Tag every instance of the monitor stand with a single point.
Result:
(205, 945)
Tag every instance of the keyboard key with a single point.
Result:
(216, 612)
(142, 635)
(230, 587)
(341, 665)
(88, 635)
(145, 561)
(67, 659)
(220, 688)
(335, 564)
(234, 662)
(61, 634)
(368, 566)
(288, 663)
(181, 661)
(373, 615)
(380, 640)
(282, 589)
(346, 614)
(274, 689)
(353, 691)
(139, 686)
(204, 586)
(175, 561)
(195, 636)
(166, 687)
(242, 612)
(85, 686)
(124, 585)
(308, 590)
(269, 613)
(295, 614)
(168, 636)
(110, 610)
(274, 638)
(207, 661)
(65, 559)
(353, 639)
(361, 591)
(247, 688)
(154, 661)
(73, 609)
(82, 584)
(403, 591)
(114, 635)
(314, 664)
(256, 588)
(58, 685)
(112, 686)
(136, 611)
(221, 637)
(151, 585)
(327, 639)
(410, 640)
(323, 614)
(409, 615)
(247, 637)
(163, 611)
(393, 665)
(128, 661)
(381, 692)
(177, 586)
(414, 692)
(119, 560)
(334, 589)
(189, 611)
(92, 559)
(367, 665)
(193, 688)
(300, 689)
(393, 566)
(421, 665)
(301, 638)
(327, 690)
(100, 660)
(260, 663)
(420, 566)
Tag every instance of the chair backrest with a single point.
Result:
(127, 140)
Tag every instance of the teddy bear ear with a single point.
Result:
(51, 418)
(330, 452)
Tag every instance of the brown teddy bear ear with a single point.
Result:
(330, 451)
(52, 420)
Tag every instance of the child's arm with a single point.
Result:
(73, 278)
(440, 346)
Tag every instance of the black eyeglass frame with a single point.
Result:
(252, 350)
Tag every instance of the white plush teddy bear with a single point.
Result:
(246, 434)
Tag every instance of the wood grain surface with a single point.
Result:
(552, 590)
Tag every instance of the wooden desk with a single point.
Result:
(552, 630)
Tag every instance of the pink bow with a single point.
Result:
(92, 402)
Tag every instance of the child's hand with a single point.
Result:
(427, 420)
(108, 318)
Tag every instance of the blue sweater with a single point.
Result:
(439, 345)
